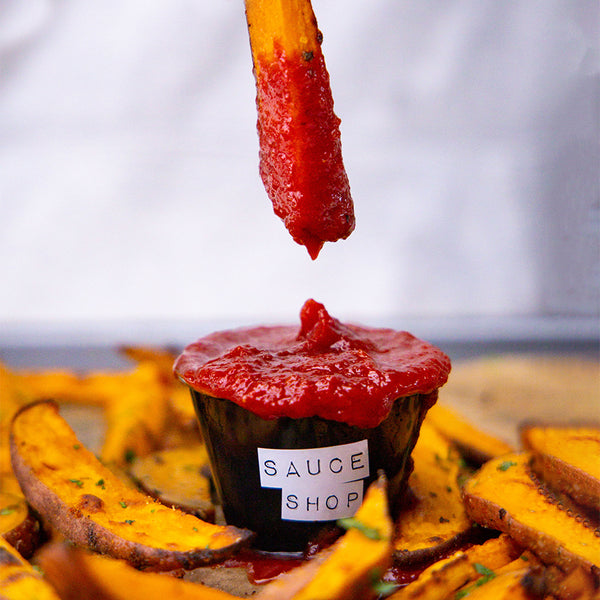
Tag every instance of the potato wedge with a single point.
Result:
(163, 358)
(90, 506)
(352, 564)
(137, 417)
(177, 477)
(182, 409)
(182, 425)
(498, 388)
(144, 407)
(18, 525)
(444, 577)
(567, 458)
(12, 398)
(18, 579)
(551, 582)
(300, 148)
(504, 586)
(474, 444)
(495, 552)
(502, 495)
(438, 581)
(436, 520)
(52, 384)
(80, 575)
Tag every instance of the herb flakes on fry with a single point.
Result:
(38, 432)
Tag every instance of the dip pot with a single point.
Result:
(287, 478)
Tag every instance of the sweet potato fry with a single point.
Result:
(495, 552)
(352, 564)
(504, 586)
(141, 405)
(80, 575)
(90, 506)
(474, 444)
(54, 384)
(550, 582)
(182, 409)
(300, 149)
(436, 519)
(12, 398)
(183, 417)
(567, 458)
(177, 477)
(502, 495)
(136, 417)
(499, 388)
(18, 525)
(163, 358)
(438, 581)
(444, 577)
(96, 388)
(18, 579)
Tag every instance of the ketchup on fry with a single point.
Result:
(300, 149)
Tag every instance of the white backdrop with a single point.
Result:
(129, 180)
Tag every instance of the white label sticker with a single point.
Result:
(317, 484)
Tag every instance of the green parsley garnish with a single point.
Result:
(129, 456)
(441, 462)
(100, 483)
(77, 482)
(384, 588)
(353, 523)
(483, 570)
(129, 521)
(487, 575)
(123, 504)
(380, 587)
(505, 465)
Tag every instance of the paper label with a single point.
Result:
(317, 484)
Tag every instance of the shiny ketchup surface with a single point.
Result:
(300, 149)
(324, 368)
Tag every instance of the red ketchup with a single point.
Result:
(325, 368)
(300, 149)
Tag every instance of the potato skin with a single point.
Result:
(18, 578)
(26, 537)
(83, 530)
(434, 521)
(567, 458)
(567, 479)
(506, 498)
(80, 575)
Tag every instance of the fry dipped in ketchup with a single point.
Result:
(300, 148)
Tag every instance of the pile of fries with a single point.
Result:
(136, 516)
